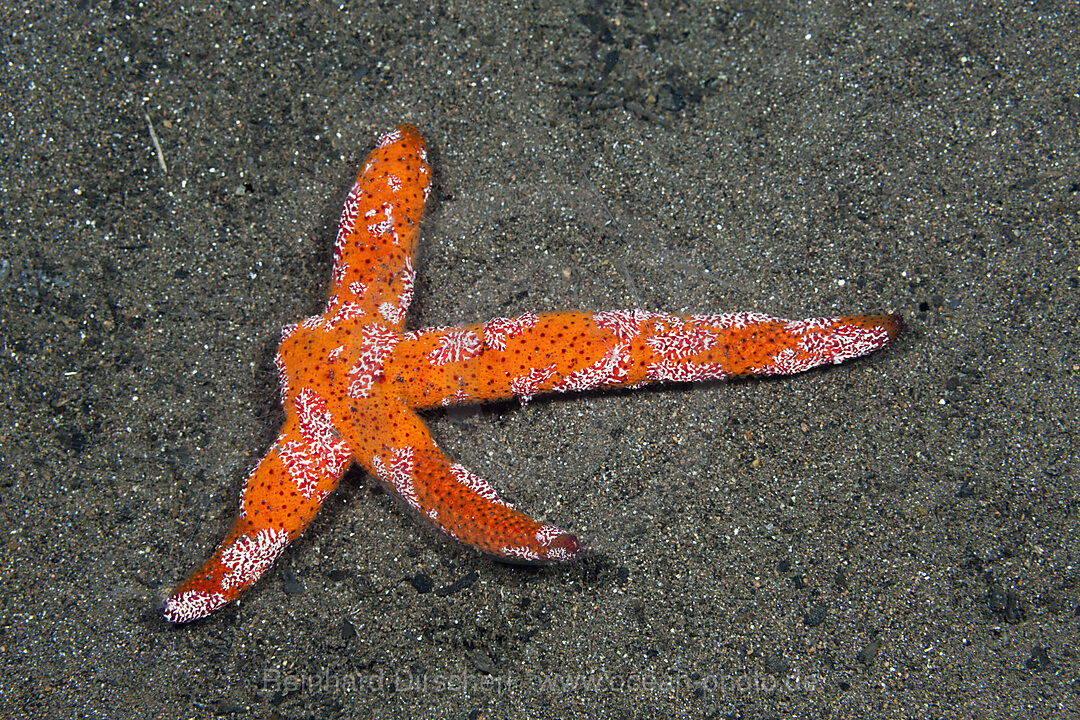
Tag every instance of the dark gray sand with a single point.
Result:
(897, 536)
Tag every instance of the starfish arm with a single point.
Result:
(378, 231)
(562, 352)
(278, 500)
(463, 506)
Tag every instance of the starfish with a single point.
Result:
(352, 380)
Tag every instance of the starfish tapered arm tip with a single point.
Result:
(556, 546)
(898, 327)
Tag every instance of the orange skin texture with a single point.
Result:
(352, 379)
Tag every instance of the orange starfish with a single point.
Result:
(351, 382)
